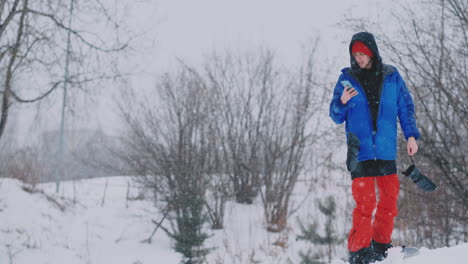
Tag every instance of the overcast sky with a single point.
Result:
(189, 29)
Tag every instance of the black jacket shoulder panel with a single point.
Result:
(388, 69)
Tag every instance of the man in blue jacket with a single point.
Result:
(369, 97)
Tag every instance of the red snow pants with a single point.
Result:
(380, 229)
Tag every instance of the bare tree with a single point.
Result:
(286, 139)
(237, 82)
(263, 112)
(33, 47)
(218, 193)
(169, 146)
(24, 165)
(432, 51)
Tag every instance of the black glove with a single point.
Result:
(417, 177)
(353, 151)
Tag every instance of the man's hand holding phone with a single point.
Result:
(348, 93)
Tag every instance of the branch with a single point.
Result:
(9, 74)
(17, 98)
(9, 18)
(74, 32)
(158, 224)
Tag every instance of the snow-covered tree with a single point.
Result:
(311, 233)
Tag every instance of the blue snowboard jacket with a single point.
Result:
(395, 102)
(379, 143)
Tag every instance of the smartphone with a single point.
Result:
(347, 83)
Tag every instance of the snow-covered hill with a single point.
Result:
(42, 226)
(35, 230)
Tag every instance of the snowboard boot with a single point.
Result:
(362, 256)
(379, 250)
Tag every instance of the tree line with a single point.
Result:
(239, 128)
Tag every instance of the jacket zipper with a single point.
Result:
(381, 87)
(374, 130)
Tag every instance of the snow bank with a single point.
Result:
(42, 226)
(35, 230)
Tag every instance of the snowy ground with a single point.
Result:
(452, 255)
(46, 227)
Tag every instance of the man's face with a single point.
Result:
(362, 60)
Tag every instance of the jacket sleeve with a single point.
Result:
(338, 111)
(406, 113)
